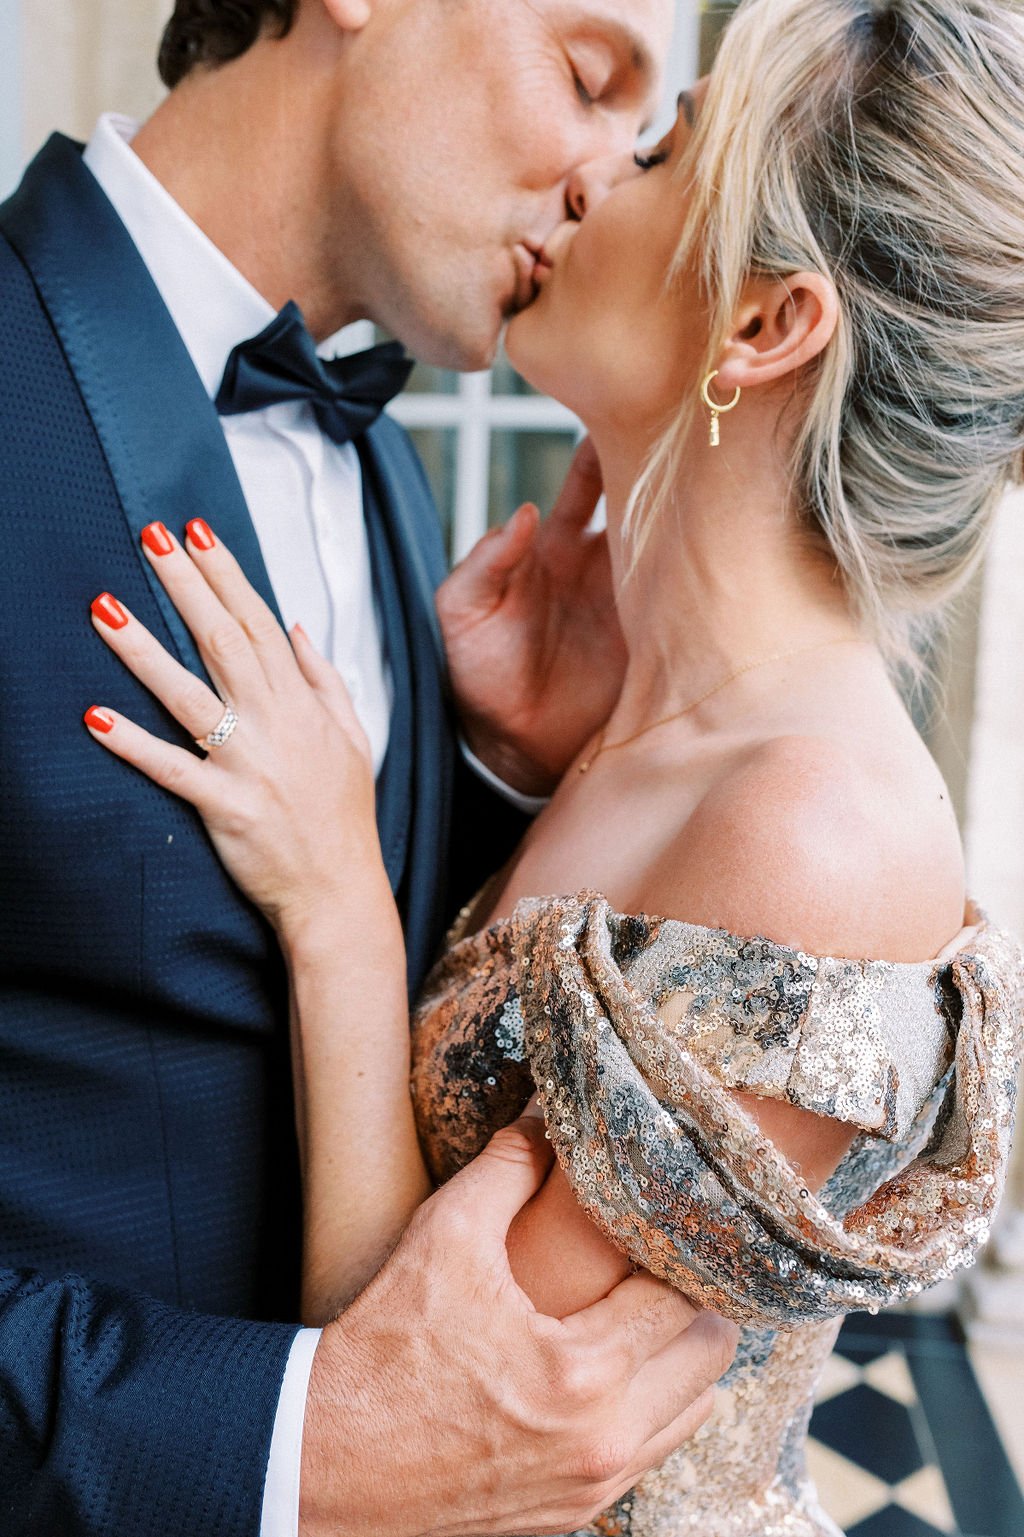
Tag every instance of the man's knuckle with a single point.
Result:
(724, 1350)
(513, 1144)
(576, 1380)
(451, 1227)
(719, 1340)
(703, 1408)
(680, 1307)
(602, 1462)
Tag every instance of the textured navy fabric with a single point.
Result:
(149, 1194)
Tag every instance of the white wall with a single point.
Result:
(681, 69)
(81, 57)
(10, 95)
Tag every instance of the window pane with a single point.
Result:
(505, 380)
(436, 446)
(425, 379)
(527, 467)
(714, 17)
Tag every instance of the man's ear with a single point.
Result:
(781, 324)
(348, 15)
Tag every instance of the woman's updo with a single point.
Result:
(881, 144)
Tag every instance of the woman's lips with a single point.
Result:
(543, 269)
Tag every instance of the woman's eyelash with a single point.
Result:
(647, 162)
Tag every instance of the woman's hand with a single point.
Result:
(289, 802)
(289, 799)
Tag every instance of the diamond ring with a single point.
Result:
(222, 731)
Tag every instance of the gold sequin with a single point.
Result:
(635, 1030)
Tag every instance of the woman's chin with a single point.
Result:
(532, 351)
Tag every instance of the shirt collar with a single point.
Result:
(212, 305)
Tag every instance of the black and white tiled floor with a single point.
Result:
(902, 1440)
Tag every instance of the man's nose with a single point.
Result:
(590, 184)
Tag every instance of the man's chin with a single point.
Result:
(459, 351)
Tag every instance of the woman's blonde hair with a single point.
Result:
(881, 143)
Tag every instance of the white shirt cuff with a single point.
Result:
(530, 804)
(281, 1491)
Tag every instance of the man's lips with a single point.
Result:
(525, 260)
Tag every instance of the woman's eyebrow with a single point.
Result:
(684, 104)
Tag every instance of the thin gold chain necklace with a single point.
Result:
(762, 661)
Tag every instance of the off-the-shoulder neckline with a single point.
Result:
(974, 920)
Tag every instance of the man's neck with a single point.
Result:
(242, 161)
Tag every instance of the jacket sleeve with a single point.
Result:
(486, 828)
(123, 1417)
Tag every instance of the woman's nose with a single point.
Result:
(590, 184)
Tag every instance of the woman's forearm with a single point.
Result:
(363, 1173)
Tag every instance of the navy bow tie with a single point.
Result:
(347, 394)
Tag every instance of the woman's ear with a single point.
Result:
(348, 15)
(781, 324)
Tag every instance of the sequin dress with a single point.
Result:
(634, 1030)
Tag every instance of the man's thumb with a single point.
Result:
(493, 558)
(500, 1180)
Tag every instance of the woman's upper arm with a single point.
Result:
(559, 1257)
(564, 1262)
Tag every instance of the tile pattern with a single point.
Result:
(902, 1443)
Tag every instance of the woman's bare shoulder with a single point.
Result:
(820, 846)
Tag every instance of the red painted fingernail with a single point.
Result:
(107, 608)
(200, 533)
(98, 720)
(156, 538)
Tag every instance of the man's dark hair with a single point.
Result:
(211, 32)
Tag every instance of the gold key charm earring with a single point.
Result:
(714, 434)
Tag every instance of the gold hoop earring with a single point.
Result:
(714, 435)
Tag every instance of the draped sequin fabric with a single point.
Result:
(634, 1030)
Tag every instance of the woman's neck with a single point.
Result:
(726, 578)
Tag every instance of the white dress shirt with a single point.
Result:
(304, 493)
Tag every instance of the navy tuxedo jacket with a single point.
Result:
(149, 1202)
